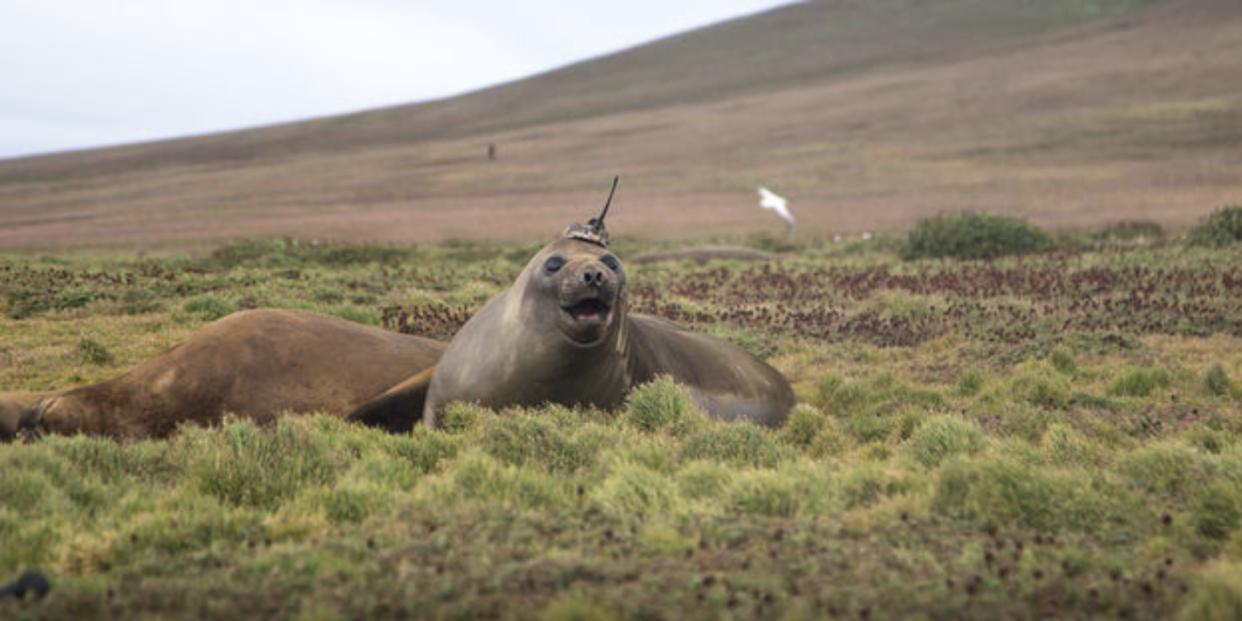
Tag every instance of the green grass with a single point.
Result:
(985, 439)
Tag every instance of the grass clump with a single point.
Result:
(576, 608)
(658, 405)
(209, 307)
(1217, 511)
(1217, 596)
(1166, 469)
(1218, 383)
(632, 488)
(998, 490)
(736, 444)
(1140, 382)
(1063, 362)
(804, 424)
(1222, 228)
(93, 351)
(244, 465)
(522, 439)
(973, 236)
(839, 397)
(941, 438)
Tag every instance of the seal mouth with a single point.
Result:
(585, 320)
(590, 309)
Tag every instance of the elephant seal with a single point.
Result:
(563, 334)
(254, 364)
(704, 254)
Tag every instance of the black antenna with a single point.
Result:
(600, 219)
(593, 231)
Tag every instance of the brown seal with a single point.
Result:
(254, 364)
(703, 254)
(563, 334)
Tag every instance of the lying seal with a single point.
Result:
(254, 364)
(704, 254)
(563, 334)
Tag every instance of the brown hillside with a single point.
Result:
(867, 114)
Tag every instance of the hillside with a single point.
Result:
(867, 114)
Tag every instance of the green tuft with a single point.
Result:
(1222, 228)
(576, 608)
(209, 307)
(735, 443)
(1217, 596)
(973, 236)
(93, 351)
(1140, 382)
(660, 404)
(1218, 383)
(1217, 511)
(941, 438)
(1004, 491)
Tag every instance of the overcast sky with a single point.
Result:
(82, 73)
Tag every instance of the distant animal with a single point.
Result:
(563, 333)
(777, 203)
(704, 254)
(31, 582)
(254, 364)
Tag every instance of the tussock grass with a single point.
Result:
(973, 236)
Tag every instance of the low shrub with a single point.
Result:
(1222, 228)
(973, 236)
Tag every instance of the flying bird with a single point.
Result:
(776, 203)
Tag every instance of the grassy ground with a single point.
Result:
(1053, 436)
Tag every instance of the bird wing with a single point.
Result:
(770, 200)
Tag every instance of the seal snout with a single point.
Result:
(593, 278)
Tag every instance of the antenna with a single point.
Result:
(593, 231)
(600, 219)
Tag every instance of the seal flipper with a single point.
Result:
(398, 408)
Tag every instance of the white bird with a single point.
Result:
(776, 203)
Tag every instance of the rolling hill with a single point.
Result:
(868, 114)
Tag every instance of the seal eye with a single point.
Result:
(554, 263)
(611, 262)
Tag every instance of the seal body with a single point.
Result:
(253, 364)
(563, 334)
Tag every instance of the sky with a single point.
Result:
(85, 73)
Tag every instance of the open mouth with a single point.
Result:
(588, 310)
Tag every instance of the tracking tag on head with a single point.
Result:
(593, 231)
